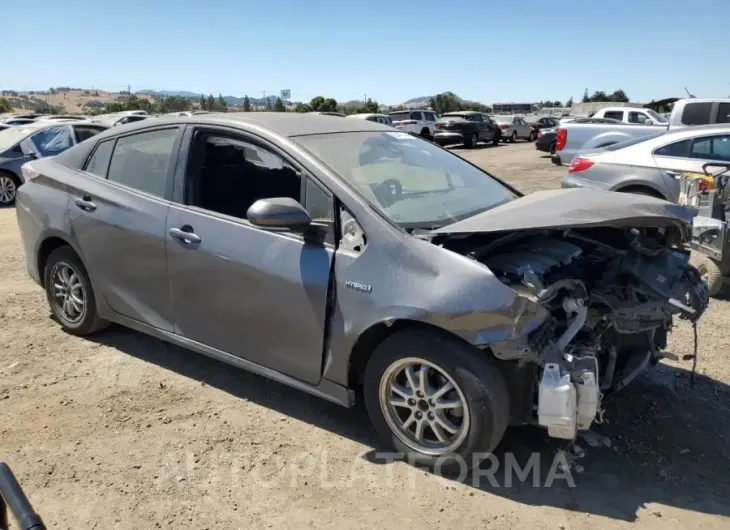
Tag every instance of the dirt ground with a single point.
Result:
(124, 431)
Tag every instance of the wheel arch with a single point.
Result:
(645, 188)
(48, 245)
(373, 336)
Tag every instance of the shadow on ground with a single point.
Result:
(668, 441)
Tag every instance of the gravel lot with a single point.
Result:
(124, 431)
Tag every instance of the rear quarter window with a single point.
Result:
(99, 162)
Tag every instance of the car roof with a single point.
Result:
(283, 123)
(367, 115)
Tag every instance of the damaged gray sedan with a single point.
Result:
(350, 260)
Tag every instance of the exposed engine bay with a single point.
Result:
(612, 295)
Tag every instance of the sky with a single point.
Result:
(388, 50)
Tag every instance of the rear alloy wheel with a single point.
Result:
(70, 294)
(8, 189)
(474, 140)
(513, 138)
(437, 401)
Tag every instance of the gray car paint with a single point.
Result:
(268, 302)
(618, 177)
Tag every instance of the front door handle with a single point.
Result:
(185, 234)
(85, 203)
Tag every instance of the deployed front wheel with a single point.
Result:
(437, 401)
(711, 274)
(70, 294)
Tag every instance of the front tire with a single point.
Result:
(441, 403)
(496, 139)
(710, 274)
(70, 294)
(8, 189)
(426, 134)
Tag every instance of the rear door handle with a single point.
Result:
(185, 234)
(85, 203)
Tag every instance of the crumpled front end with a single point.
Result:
(612, 295)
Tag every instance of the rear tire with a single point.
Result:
(513, 138)
(9, 184)
(426, 134)
(70, 294)
(474, 140)
(496, 139)
(478, 392)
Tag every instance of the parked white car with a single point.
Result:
(514, 128)
(631, 115)
(420, 122)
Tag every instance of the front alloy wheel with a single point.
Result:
(423, 406)
(8, 189)
(444, 406)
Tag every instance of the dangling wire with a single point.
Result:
(693, 357)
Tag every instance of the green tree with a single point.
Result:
(114, 106)
(203, 104)
(132, 103)
(569, 103)
(369, 106)
(220, 104)
(279, 106)
(211, 103)
(246, 104)
(302, 107)
(619, 96)
(175, 104)
(5, 105)
(321, 104)
(586, 97)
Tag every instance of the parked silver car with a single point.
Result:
(514, 128)
(651, 165)
(338, 255)
(22, 143)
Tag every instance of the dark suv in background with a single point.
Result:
(466, 127)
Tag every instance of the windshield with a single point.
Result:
(462, 116)
(413, 182)
(11, 136)
(633, 141)
(658, 118)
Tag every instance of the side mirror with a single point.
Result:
(279, 212)
(649, 122)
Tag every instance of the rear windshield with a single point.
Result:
(452, 116)
(399, 116)
(502, 119)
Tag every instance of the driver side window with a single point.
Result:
(227, 175)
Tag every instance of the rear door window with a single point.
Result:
(712, 148)
(697, 114)
(142, 161)
(614, 115)
(416, 115)
(638, 117)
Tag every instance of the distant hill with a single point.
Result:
(230, 100)
(423, 101)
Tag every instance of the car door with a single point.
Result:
(689, 156)
(244, 291)
(117, 211)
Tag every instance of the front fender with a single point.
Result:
(421, 282)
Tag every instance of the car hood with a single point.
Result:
(575, 208)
